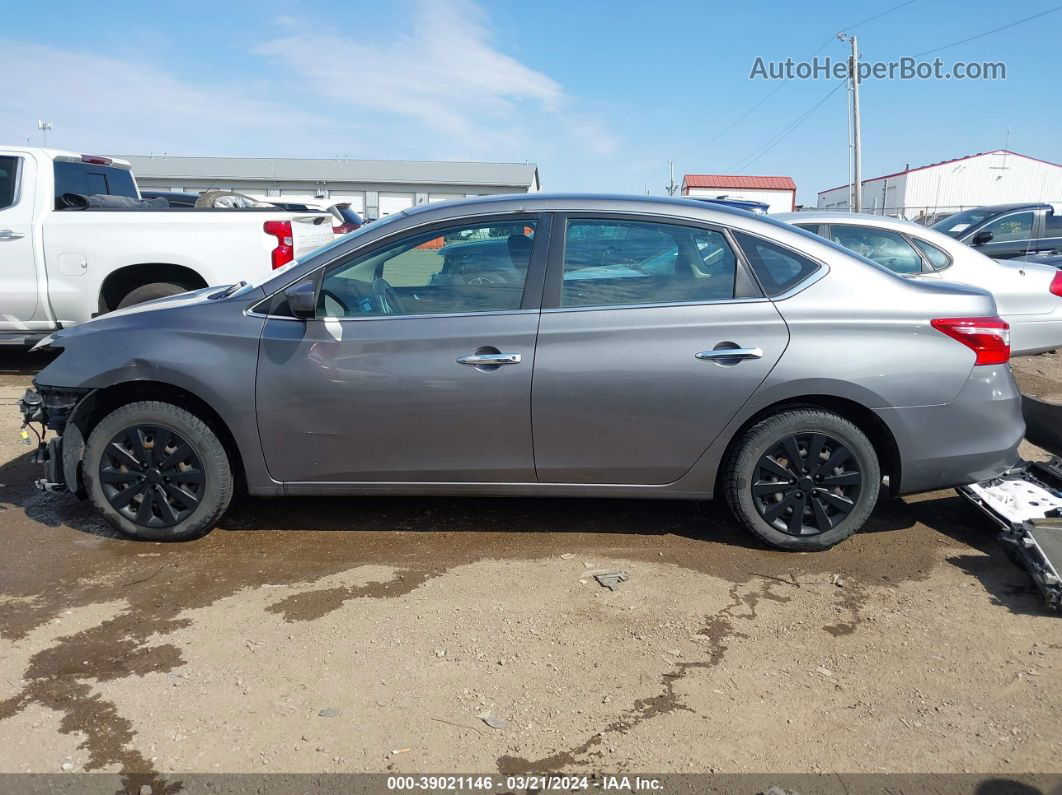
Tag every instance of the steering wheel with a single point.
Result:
(387, 297)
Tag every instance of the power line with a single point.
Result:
(877, 16)
(759, 152)
(782, 85)
(736, 122)
(988, 32)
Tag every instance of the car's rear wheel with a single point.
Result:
(157, 472)
(803, 479)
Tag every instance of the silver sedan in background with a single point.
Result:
(540, 345)
(1028, 295)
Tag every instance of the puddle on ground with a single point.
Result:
(46, 567)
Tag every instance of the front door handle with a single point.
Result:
(480, 359)
(731, 353)
(7, 234)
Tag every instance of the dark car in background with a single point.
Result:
(737, 204)
(1007, 231)
(175, 198)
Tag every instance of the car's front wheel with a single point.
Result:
(803, 479)
(157, 472)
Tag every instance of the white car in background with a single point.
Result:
(1028, 295)
(347, 218)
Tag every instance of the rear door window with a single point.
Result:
(622, 263)
(8, 180)
(778, 269)
(88, 179)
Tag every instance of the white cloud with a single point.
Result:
(103, 104)
(446, 76)
(444, 90)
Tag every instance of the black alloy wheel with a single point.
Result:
(806, 484)
(152, 476)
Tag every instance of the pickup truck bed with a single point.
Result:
(64, 266)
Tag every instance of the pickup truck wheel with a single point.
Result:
(157, 472)
(149, 292)
(803, 479)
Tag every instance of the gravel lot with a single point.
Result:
(388, 634)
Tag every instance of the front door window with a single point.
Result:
(1010, 227)
(459, 270)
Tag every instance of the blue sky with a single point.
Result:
(598, 94)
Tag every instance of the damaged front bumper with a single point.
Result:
(52, 408)
(1026, 502)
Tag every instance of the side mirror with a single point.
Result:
(302, 300)
(982, 237)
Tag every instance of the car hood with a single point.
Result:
(122, 317)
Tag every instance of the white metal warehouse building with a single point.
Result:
(996, 177)
(374, 188)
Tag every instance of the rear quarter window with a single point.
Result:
(778, 269)
(8, 180)
(88, 179)
(938, 258)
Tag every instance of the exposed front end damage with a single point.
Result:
(53, 408)
(1026, 503)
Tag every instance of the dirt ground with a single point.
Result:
(383, 634)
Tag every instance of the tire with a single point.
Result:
(189, 491)
(833, 504)
(149, 292)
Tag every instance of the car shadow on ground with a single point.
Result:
(950, 515)
(493, 525)
(18, 361)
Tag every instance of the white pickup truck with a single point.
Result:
(61, 265)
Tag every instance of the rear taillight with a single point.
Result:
(96, 160)
(987, 337)
(343, 229)
(285, 250)
(1056, 284)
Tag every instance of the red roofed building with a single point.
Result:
(778, 192)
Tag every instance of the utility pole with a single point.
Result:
(671, 187)
(44, 126)
(853, 76)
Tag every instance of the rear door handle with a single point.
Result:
(7, 234)
(731, 353)
(479, 359)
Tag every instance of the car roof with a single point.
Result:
(592, 202)
(1002, 208)
(841, 216)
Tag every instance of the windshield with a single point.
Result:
(956, 225)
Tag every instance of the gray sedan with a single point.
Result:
(635, 347)
(1028, 295)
